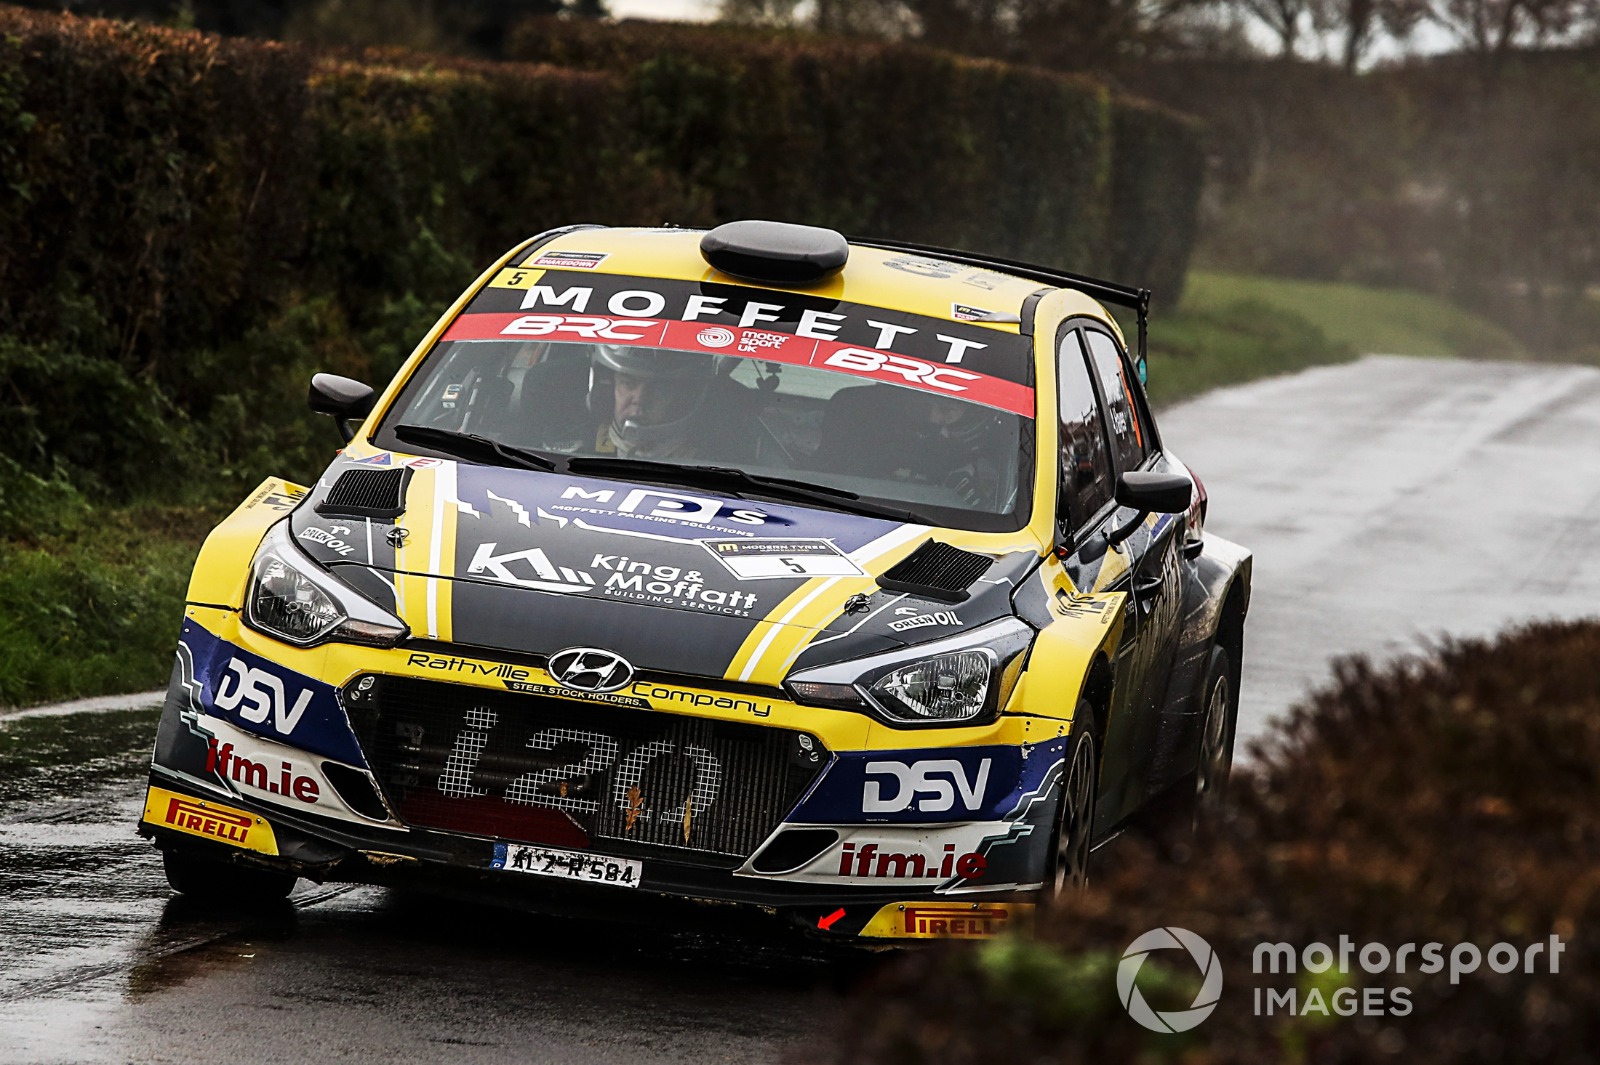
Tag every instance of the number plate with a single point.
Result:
(767, 559)
(567, 865)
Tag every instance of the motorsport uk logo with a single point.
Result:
(1205, 1000)
(1336, 997)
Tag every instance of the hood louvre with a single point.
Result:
(936, 571)
(368, 494)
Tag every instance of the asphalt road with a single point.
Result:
(1387, 501)
(1394, 501)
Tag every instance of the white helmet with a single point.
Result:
(632, 434)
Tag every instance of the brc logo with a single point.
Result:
(924, 779)
(264, 696)
(588, 327)
(915, 371)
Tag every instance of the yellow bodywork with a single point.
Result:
(1085, 625)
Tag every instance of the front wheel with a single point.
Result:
(1069, 852)
(223, 883)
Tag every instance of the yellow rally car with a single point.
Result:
(848, 582)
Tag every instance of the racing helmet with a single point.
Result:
(678, 380)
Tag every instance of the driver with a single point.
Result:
(963, 446)
(653, 407)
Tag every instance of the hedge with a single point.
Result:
(193, 224)
(1450, 800)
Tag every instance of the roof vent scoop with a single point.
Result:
(367, 493)
(936, 571)
(775, 253)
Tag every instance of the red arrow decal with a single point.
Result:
(828, 922)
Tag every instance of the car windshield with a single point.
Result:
(876, 425)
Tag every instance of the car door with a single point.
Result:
(1085, 513)
(1154, 562)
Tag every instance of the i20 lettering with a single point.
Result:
(581, 786)
(262, 695)
(932, 785)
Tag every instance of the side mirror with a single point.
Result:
(1155, 493)
(344, 399)
(1150, 493)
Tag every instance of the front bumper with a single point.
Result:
(410, 781)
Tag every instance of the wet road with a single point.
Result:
(1387, 501)
(101, 964)
(1391, 501)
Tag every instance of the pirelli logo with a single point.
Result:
(211, 820)
(922, 921)
(912, 920)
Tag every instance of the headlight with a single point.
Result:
(959, 679)
(293, 599)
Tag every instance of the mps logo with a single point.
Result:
(932, 785)
(648, 504)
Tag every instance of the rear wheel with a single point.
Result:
(1069, 853)
(1217, 727)
(220, 882)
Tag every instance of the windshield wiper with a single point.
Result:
(468, 445)
(727, 478)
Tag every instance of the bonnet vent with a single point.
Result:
(368, 494)
(937, 571)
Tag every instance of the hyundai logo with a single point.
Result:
(589, 669)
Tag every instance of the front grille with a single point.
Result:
(539, 769)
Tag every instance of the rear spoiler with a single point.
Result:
(1135, 299)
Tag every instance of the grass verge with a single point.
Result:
(1369, 320)
(93, 606)
(1195, 349)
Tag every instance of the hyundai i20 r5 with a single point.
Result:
(843, 581)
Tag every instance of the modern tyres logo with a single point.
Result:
(1205, 1000)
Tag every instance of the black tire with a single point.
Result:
(221, 883)
(1219, 722)
(1068, 863)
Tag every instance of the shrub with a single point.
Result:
(1453, 799)
(196, 223)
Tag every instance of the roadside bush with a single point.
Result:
(1454, 799)
(194, 224)
(1069, 175)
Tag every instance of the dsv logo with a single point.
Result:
(938, 781)
(262, 694)
(1205, 1000)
